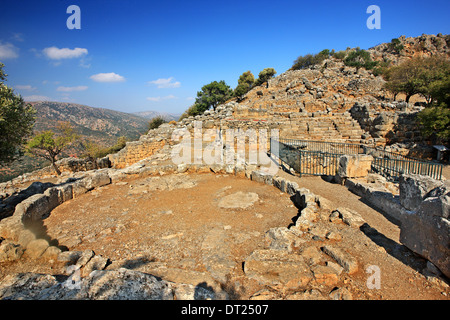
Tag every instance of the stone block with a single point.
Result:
(347, 261)
(34, 208)
(36, 248)
(427, 230)
(413, 189)
(354, 166)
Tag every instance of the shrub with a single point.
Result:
(360, 59)
(309, 60)
(396, 45)
(156, 122)
(340, 55)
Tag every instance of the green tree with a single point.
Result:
(49, 145)
(360, 59)
(428, 77)
(16, 122)
(245, 83)
(212, 95)
(435, 121)
(265, 75)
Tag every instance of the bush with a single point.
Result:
(156, 122)
(340, 55)
(309, 60)
(396, 45)
(360, 59)
(93, 150)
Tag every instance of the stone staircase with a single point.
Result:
(322, 127)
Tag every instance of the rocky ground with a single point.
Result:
(230, 235)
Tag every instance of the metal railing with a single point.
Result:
(322, 158)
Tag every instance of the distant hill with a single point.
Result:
(153, 114)
(102, 126)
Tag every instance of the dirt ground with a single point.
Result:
(176, 227)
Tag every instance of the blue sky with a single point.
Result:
(135, 56)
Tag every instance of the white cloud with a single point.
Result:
(107, 77)
(36, 98)
(156, 99)
(71, 89)
(55, 53)
(8, 51)
(165, 83)
(25, 87)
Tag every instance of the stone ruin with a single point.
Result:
(331, 102)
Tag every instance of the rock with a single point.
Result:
(341, 294)
(84, 258)
(262, 177)
(324, 275)
(122, 284)
(95, 263)
(25, 237)
(347, 261)
(69, 257)
(238, 200)
(312, 294)
(312, 255)
(191, 292)
(51, 253)
(350, 217)
(280, 239)
(413, 189)
(10, 251)
(36, 248)
(354, 166)
(34, 208)
(427, 230)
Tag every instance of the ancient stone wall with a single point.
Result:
(422, 210)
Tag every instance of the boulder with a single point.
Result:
(354, 166)
(122, 284)
(426, 231)
(413, 189)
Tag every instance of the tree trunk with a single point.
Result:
(58, 172)
(408, 96)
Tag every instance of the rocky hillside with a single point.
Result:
(102, 126)
(153, 114)
(333, 101)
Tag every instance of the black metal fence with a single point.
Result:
(322, 158)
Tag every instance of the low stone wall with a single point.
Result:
(422, 210)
